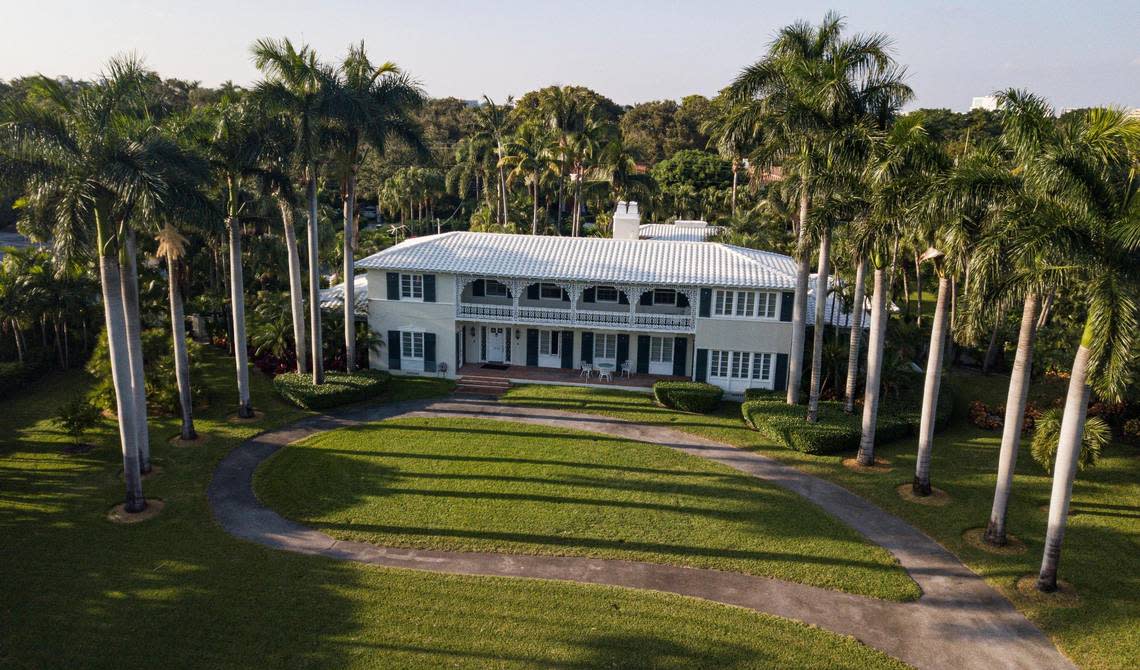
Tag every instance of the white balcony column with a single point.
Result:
(575, 292)
(633, 294)
(516, 286)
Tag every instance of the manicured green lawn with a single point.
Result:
(477, 485)
(177, 591)
(1102, 545)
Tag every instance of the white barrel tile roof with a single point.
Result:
(588, 259)
(674, 233)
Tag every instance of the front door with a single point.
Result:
(496, 344)
(661, 355)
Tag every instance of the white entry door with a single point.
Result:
(661, 355)
(496, 344)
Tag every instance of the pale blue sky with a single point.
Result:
(1075, 53)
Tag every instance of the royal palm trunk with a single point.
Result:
(296, 287)
(871, 393)
(314, 283)
(1015, 402)
(109, 276)
(237, 303)
(1065, 468)
(817, 335)
(129, 284)
(933, 382)
(181, 358)
(856, 338)
(799, 307)
(349, 275)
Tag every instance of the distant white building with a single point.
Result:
(986, 102)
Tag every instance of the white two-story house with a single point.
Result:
(671, 308)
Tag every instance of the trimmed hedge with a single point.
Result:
(765, 395)
(338, 389)
(836, 431)
(688, 396)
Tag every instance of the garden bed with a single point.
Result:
(338, 389)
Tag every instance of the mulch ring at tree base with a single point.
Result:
(937, 497)
(975, 537)
(1064, 596)
(154, 507)
(258, 415)
(881, 466)
(177, 441)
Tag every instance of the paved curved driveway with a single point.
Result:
(959, 622)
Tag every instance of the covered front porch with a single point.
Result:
(525, 374)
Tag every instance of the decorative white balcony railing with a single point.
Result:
(683, 323)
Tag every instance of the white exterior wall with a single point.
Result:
(413, 315)
(747, 335)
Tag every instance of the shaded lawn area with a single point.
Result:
(177, 591)
(1102, 544)
(480, 485)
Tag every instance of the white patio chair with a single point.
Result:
(626, 369)
(587, 369)
(605, 374)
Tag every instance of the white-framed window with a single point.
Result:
(661, 350)
(411, 345)
(741, 365)
(718, 363)
(550, 291)
(548, 342)
(762, 367)
(745, 304)
(411, 287)
(767, 303)
(605, 346)
(606, 294)
(495, 289)
(664, 296)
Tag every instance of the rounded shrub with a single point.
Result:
(688, 396)
(338, 389)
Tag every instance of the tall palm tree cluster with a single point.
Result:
(1047, 210)
(104, 171)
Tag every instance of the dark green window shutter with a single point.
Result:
(393, 349)
(623, 349)
(787, 299)
(623, 299)
(587, 347)
(508, 348)
(458, 347)
(393, 285)
(429, 288)
(680, 355)
(532, 346)
(682, 299)
(646, 298)
(567, 348)
(642, 354)
(702, 370)
(483, 343)
(479, 288)
(565, 296)
(429, 352)
(588, 295)
(532, 292)
(781, 374)
(706, 302)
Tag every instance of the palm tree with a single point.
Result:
(492, 124)
(566, 112)
(234, 150)
(297, 84)
(373, 104)
(730, 131)
(526, 157)
(1088, 169)
(172, 248)
(897, 176)
(812, 85)
(99, 166)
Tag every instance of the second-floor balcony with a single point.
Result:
(627, 307)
